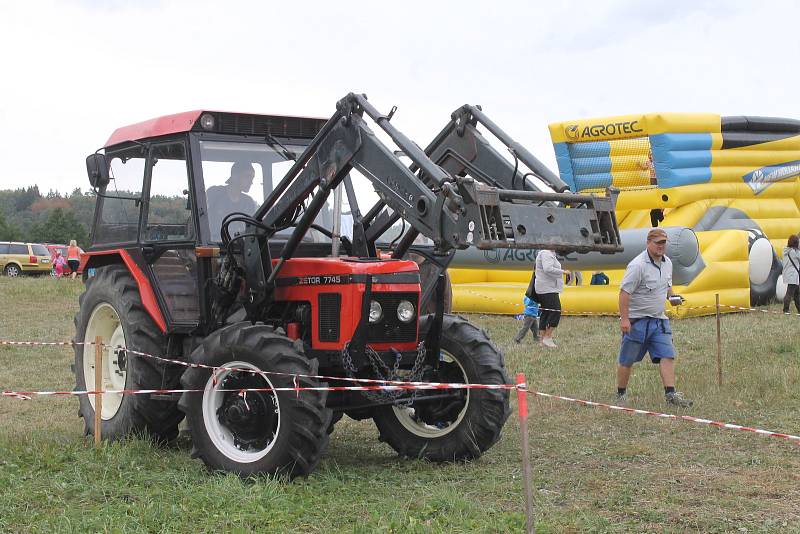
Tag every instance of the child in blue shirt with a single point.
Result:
(531, 316)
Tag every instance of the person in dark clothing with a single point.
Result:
(656, 216)
(231, 197)
(549, 283)
(599, 279)
(791, 273)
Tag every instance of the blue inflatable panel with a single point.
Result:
(564, 162)
(688, 159)
(681, 159)
(591, 149)
(673, 141)
(593, 181)
(583, 166)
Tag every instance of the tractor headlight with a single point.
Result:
(375, 311)
(405, 311)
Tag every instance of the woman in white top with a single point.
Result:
(549, 283)
(791, 273)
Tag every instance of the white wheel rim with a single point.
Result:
(104, 322)
(406, 414)
(12, 270)
(220, 435)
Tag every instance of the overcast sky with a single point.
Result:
(73, 71)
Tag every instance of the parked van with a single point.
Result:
(27, 258)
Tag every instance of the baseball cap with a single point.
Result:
(655, 233)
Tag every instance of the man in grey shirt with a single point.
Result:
(644, 289)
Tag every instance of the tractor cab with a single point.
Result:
(227, 162)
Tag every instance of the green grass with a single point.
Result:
(594, 470)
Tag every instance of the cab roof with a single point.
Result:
(224, 122)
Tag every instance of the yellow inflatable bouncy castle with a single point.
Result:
(732, 181)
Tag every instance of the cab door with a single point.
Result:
(168, 233)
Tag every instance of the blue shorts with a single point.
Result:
(646, 335)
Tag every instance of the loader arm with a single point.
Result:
(461, 149)
(454, 211)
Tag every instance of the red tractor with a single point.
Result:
(214, 243)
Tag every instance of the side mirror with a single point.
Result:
(97, 169)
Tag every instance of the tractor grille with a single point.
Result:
(391, 329)
(236, 123)
(330, 307)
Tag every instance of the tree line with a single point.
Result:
(27, 215)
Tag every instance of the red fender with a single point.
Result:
(146, 292)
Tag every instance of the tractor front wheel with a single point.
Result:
(464, 423)
(238, 422)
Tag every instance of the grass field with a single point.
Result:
(594, 470)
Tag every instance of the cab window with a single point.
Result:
(168, 213)
(120, 201)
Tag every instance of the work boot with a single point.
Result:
(622, 399)
(677, 399)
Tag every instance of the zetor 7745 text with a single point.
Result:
(219, 239)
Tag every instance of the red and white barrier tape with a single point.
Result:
(698, 420)
(214, 369)
(385, 385)
(45, 343)
(27, 395)
(741, 308)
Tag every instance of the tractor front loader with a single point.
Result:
(273, 302)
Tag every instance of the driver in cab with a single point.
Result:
(231, 197)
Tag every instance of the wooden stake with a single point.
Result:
(522, 402)
(719, 346)
(98, 387)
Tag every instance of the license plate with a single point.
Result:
(45, 261)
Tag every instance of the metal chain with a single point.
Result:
(391, 374)
(416, 372)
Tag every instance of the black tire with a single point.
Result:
(113, 286)
(288, 444)
(459, 429)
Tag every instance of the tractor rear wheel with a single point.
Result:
(468, 422)
(277, 433)
(111, 307)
